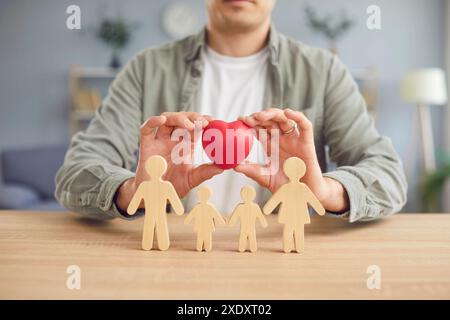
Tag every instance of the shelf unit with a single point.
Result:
(84, 98)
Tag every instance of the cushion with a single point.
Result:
(15, 196)
(33, 167)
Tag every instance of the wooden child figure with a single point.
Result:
(247, 212)
(206, 216)
(155, 193)
(293, 198)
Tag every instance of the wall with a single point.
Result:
(36, 50)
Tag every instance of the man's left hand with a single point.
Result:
(296, 140)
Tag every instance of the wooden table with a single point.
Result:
(411, 250)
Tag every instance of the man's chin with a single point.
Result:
(239, 25)
(240, 20)
(239, 16)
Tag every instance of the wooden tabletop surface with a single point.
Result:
(411, 251)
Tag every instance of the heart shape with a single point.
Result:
(227, 144)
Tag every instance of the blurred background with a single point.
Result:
(52, 77)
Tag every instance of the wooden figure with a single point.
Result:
(155, 193)
(293, 198)
(206, 216)
(247, 212)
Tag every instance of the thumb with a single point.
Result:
(202, 173)
(254, 171)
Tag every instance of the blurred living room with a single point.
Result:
(54, 74)
(93, 93)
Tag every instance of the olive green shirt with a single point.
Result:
(168, 78)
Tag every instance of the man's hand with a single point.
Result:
(155, 139)
(295, 143)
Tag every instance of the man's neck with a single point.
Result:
(238, 44)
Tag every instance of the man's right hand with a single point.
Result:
(184, 177)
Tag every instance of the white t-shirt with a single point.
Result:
(231, 87)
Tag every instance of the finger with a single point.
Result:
(305, 126)
(254, 172)
(186, 121)
(197, 119)
(148, 128)
(271, 119)
(268, 125)
(202, 173)
(271, 115)
(178, 119)
(249, 121)
(252, 122)
(164, 132)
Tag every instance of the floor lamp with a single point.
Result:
(426, 87)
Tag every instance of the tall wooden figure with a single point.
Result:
(206, 216)
(155, 193)
(294, 198)
(247, 212)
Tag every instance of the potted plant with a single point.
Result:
(433, 185)
(331, 26)
(116, 34)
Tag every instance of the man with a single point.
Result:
(237, 67)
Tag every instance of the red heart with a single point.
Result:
(227, 144)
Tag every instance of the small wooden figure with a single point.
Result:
(294, 198)
(155, 193)
(206, 217)
(247, 212)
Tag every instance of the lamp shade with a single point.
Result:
(426, 86)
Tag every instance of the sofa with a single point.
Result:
(27, 178)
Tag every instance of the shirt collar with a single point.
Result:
(198, 41)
